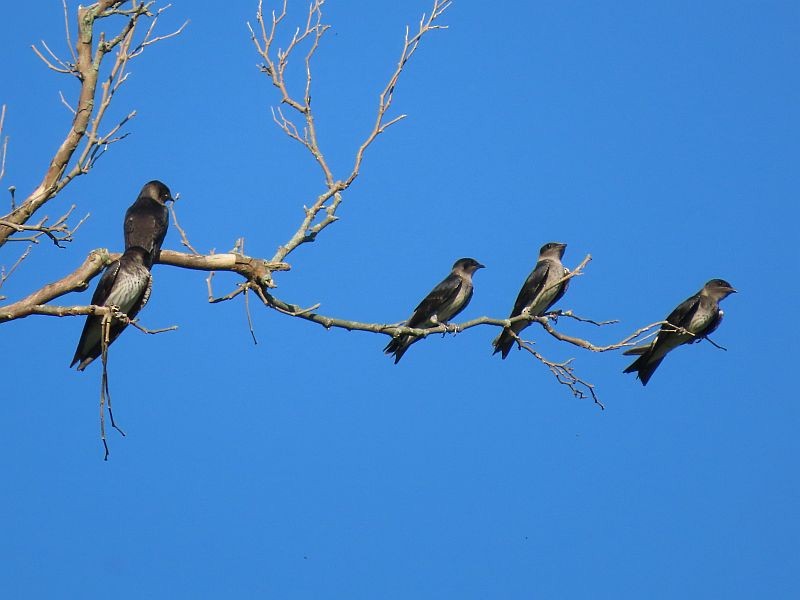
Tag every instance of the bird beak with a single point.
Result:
(480, 266)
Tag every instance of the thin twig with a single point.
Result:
(4, 275)
(144, 329)
(3, 147)
(184, 238)
(249, 317)
(67, 32)
(322, 212)
(88, 108)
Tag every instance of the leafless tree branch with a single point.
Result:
(3, 144)
(87, 113)
(564, 372)
(252, 269)
(89, 138)
(184, 238)
(58, 233)
(5, 274)
(322, 212)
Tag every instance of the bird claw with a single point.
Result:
(450, 328)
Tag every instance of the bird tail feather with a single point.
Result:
(503, 343)
(398, 346)
(637, 350)
(644, 367)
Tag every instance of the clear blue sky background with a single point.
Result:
(661, 137)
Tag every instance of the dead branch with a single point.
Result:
(386, 97)
(3, 144)
(252, 269)
(564, 372)
(5, 274)
(322, 212)
(569, 314)
(257, 278)
(59, 232)
(88, 113)
(184, 239)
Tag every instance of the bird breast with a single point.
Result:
(128, 290)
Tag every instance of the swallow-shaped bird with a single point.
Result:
(147, 219)
(444, 302)
(125, 284)
(540, 291)
(699, 315)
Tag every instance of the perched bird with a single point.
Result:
(147, 219)
(699, 315)
(125, 284)
(539, 292)
(444, 302)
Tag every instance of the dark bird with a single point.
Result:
(125, 284)
(699, 315)
(147, 219)
(539, 292)
(444, 302)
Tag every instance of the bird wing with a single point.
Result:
(146, 226)
(90, 335)
(668, 339)
(532, 288)
(143, 297)
(442, 295)
(562, 289)
(684, 313)
(105, 284)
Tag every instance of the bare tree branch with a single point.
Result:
(184, 239)
(386, 97)
(87, 114)
(322, 212)
(58, 232)
(252, 269)
(3, 144)
(5, 274)
(89, 138)
(564, 373)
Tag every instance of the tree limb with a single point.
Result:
(252, 269)
(322, 212)
(87, 114)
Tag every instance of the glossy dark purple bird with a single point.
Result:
(147, 220)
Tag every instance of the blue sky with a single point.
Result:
(660, 137)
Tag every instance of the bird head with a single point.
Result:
(155, 190)
(552, 250)
(467, 265)
(719, 288)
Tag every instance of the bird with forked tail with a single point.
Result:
(444, 302)
(543, 288)
(694, 319)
